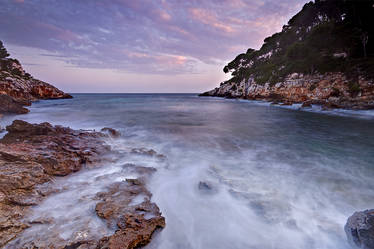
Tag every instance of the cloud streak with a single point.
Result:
(159, 36)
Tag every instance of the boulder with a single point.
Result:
(360, 229)
(127, 206)
(111, 132)
(10, 105)
(306, 104)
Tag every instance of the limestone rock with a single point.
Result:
(332, 90)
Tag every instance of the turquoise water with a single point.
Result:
(279, 177)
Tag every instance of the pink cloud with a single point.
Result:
(207, 18)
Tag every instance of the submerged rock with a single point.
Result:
(147, 152)
(112, 132)
(207, 187)
(360, 229)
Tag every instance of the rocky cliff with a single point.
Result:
(324, 55)
(18, 88)
(331, 90)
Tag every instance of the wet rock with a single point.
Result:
(207, 187)
(147, 152)
(127, 206)
(31, 155)
(112, 132)
(360, 229)
(134, 231)
(140, 170)
(306, 104)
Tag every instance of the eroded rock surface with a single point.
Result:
(127, 206)
(331, 90)
(21, 88)
(360, 229)
(33, 154)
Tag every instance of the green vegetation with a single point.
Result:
(325, 36)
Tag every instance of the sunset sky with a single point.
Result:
(136, 45)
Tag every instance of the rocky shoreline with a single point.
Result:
(33, 155)
(331, 90)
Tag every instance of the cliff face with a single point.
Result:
(332, 90)
(324, 55)
(18, 88)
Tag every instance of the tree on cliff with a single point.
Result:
(325, 36)
(3, 51)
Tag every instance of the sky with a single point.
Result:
(137, 45)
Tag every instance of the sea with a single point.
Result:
(237, 174)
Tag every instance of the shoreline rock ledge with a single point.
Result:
(32, 156)
(360, 229)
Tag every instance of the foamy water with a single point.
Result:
(238, 174)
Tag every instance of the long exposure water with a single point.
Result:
(238, 174)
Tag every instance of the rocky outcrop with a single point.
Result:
(22, 87)
(360, 229)
(111, 132)
(136, 220)
(33, 154)
(332, 90)
(319, 57)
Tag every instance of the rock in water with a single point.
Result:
(9, 105)
(360, 229)
(112, 132)
(127, 205)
